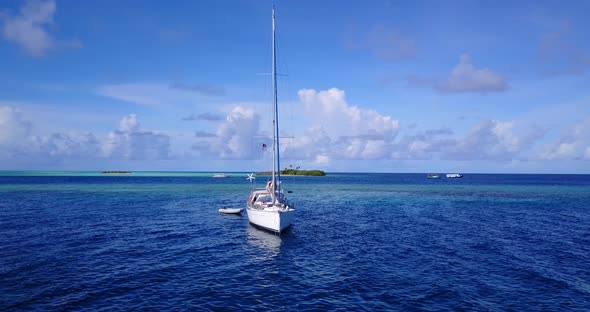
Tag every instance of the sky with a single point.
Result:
(365, 86)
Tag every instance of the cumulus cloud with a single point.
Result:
(13, 128)
(346, 132)
(561, 150)
(339, 130)
(333, 111)
(128, 123)
(465, 77)
(313, 142)
(322, 159)
(29, 28)
(423, 145)
(492, 140)
(63, 146)
(18, 142)
(574, 143)
(129, 142)
(236, 138)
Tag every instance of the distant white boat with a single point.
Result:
(219, 175)
(231, 210)
(454, 175)
(433, 176)
(268, 208)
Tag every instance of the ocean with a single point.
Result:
(359, 241)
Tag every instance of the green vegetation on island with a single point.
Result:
(297, 172)
(116, 172)
(317, 173)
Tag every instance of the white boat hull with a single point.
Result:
(271, 219)
(231, 210)
(267, 208)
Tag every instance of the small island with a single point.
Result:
(116, 172)
(297, 172)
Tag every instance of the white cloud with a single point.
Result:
(313, 142)
(160, 94)
(462, 79)
(466, 78)
(62, 146)
(29, 28)
(236, 138)
(332, 111)
(129, 142)
(574, 143)
(137, 93)
(322, 159)
(557, 151)
(18, 143)
(566, 149)
(237, 133)
(375, 149)
(492, 140)
(13, 129)
(340, 130)
(489, 140)
(423, 145)
(129, 123)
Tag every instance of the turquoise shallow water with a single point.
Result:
(359, 241)
(100, 174)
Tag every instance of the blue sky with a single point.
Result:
(371, 86)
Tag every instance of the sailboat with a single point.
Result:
(268, 207)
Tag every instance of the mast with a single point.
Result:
(276, 168)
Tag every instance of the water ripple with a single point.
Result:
(366, 243)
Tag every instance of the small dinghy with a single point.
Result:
(231, 210)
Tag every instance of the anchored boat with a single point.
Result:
(268, 207)
(454, 175)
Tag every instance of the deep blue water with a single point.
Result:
(358, 242)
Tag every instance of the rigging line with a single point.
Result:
(287, 94)
(275, 144)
